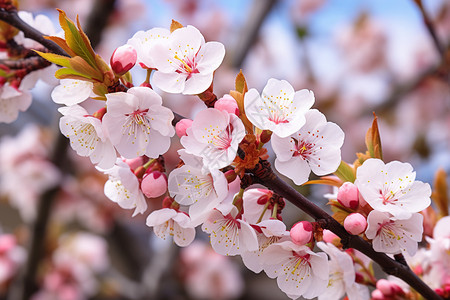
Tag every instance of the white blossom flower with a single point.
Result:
(342, 276)
(185, 62)
(143, 41)
(168, 221)
(279, 109)
(392, 188)
(137, 123)
(256, 205)
(391, 235)
(72, 91)
(316, 146)
(11, 102)
(122, 187)
(214, 135)
(230, 235)
(299, 271)
(87, 136)
(201, 190)
(268, 232)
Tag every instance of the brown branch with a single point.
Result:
(12, 18)
(390, 266)
(430, 27)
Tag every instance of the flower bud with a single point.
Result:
(385, 287)
(228, 104)
(182, 126)
(330, 237)
(348, 195)
(154, 184)
(123, 59)
(134, 163)
(301, 233)
(377, 295)
(355, 223)
(7, 242)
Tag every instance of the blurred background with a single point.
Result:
(357, 56)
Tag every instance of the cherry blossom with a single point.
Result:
(72, 91)
(392, 188)
(316, 146)
(137, 123)
(12, 101)
(185, 62)
(268, 232)
(122, 187)
(202, 190)
(144, 41)
(279, 108)
(390, 235)
(214, 135)
(87, 136)
(11, 257)
(256, 205)
(342, 276)
(230, 235)
(168, 221)
(299, 271)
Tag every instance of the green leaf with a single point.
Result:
(66, 73)
(75, 40)
(345, 172)
(60, 60)
(62, 43)
(79, 65)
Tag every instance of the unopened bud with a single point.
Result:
(134, 163)
(348, 195)
(330, 237)
(154, 184)
(385, 287)
(355, 223)
(182, 126)
(228, 104)
(7, 242)
(123, 59)
(377, 295)
(265, 136)
(301, 233)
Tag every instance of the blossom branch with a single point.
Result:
(429, 25)
(390, 266)
(12, 18)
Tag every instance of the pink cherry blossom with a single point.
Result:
(230, 235)
(154, 184)
(122, 187)
(342, 276)
(268, 232)
(214, 135)
(301, 233)
(355, 223)
(316, 146)
(137, 123)
(87, 136)
(185, 62)
(348, 195)
(392, 188)
(256, 205)
(299, 271)
(12, 101)
(182, 126)
(279, 108)
(228, 104)
(168, 221)
(144, 41)
(391, 235)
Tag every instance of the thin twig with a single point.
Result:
(430, 27)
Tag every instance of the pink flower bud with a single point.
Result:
(154, 184)
(301, 232)
(330, 237)
(348, 195)
(355, 223)
(378, 295)
(182, 126)
(385, 287)
(228, 104)
(7, 242)
(135, 162)
(123, 59)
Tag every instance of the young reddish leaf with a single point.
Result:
(62, 43)
(60, 60)
(239, 97)
(241, 83)
(440, 192)
(85, 38)
(175, 25)
(373, 140)
(327, 180)
(345, 172)
(100, 89)
(79, 65)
